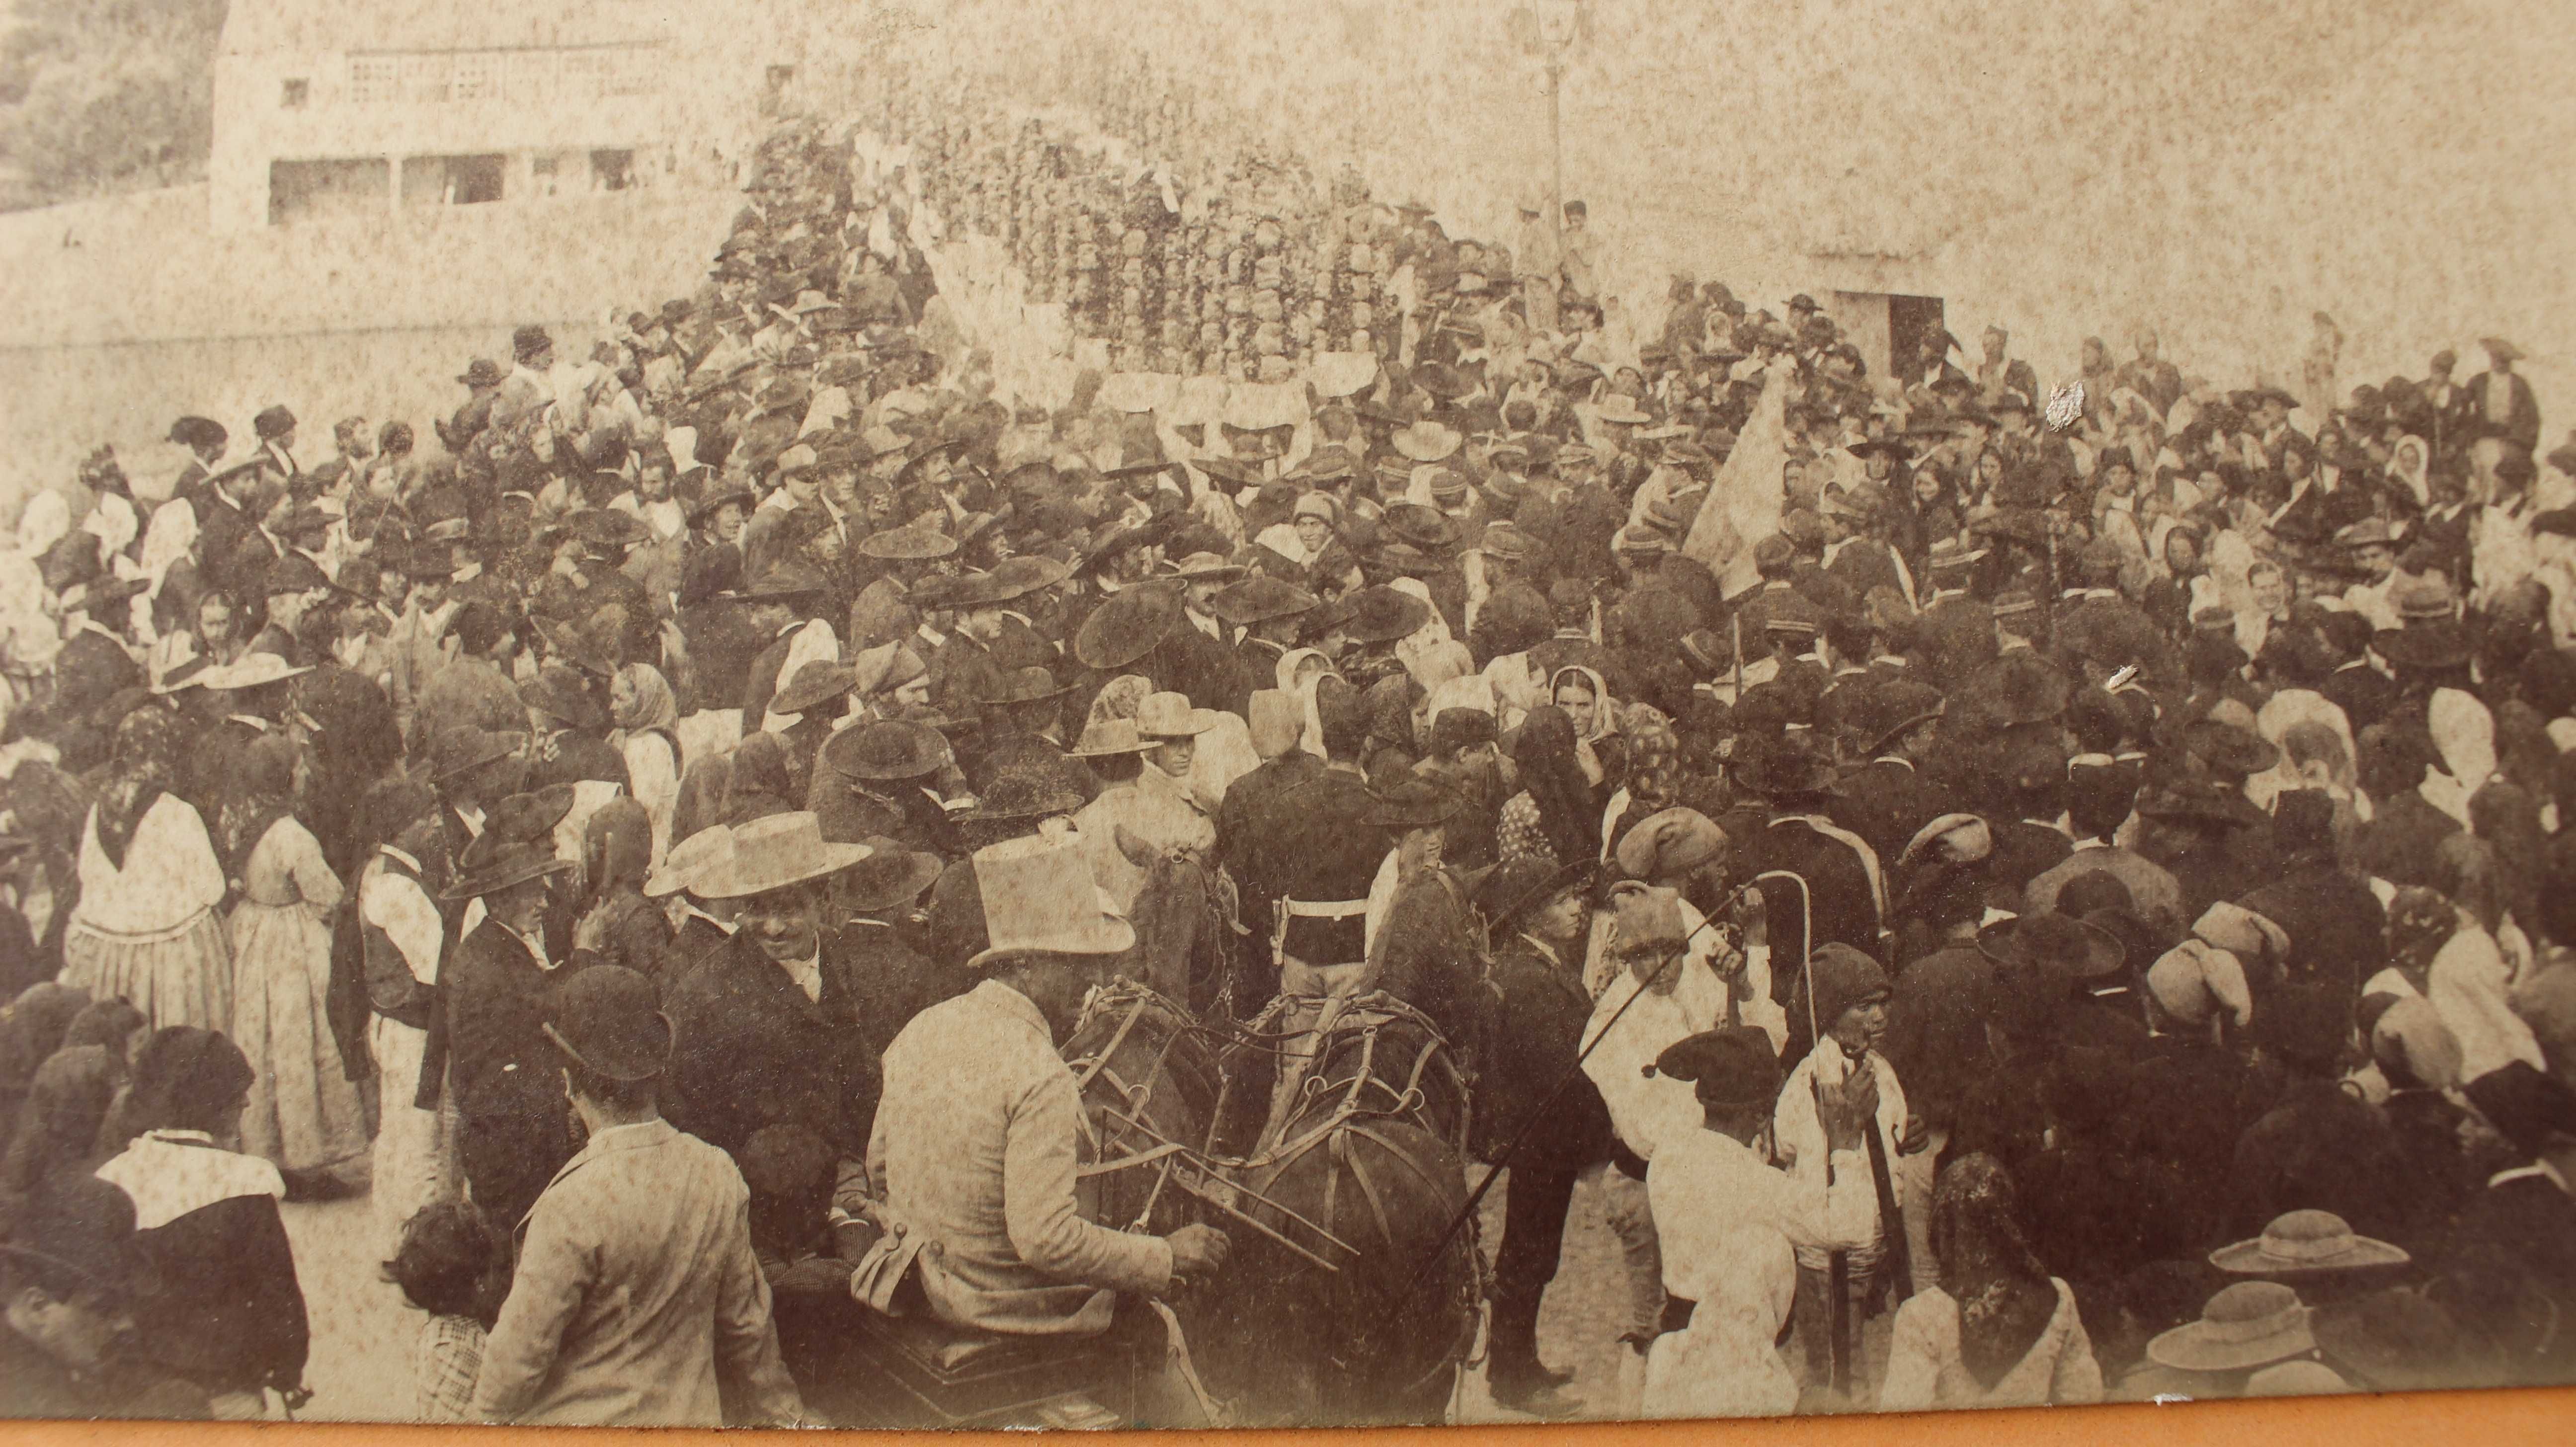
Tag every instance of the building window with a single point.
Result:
(612, 170)
(781, 76)
(424, 77)
(374, 78)
(477, 76)
(292, 95)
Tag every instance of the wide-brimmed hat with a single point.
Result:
(1105, 737)
(1025, 793)
(251, 670)
(76, 1232)
(785, 578)
(1423, 527)
(2229, 751)
(2186, 804)
(773, 853)
(1506, 541)
(457, 750)
(888, 749)
(679, 869)
(1888, 711)
(2500, 349)
(2402, 1340)
(1788, 768)
(2251, 1324)
(2022, 687)
(716, 497)
(1170, 716)
(1383, 614)
(1621, 410)
(516, 844)
(1015, 577)
(1523, 883)
(609, 1020)
(2061, 943)
(1207, 568)
(817, 682)
(2304, 1243)
(2423, 643)
(1126, 627)
(891, 876)
(607, 529)
(1029, 684)
(907, 544)
(1427, 441)
(1040, 897)
(1412, 803)
(1259, 599)
(1730, 1065)
(563, 693)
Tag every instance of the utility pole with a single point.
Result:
(1550, 29)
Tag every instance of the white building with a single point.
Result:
(328, 107)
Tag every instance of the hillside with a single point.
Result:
(104, 96)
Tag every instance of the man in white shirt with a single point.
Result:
(1660, 996)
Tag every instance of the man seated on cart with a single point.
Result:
(975, 1143)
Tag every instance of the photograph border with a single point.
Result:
(2496, 1417)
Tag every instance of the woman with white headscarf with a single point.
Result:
(1586, 699)
(29, 634)
(2464, 736)
(1298, 673)
(647, 718)
(1430, 653)
(2441, 954)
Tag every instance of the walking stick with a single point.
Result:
(1566, 1078)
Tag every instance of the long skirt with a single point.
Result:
(185, 979)
(303, 1112)
(415, 1160)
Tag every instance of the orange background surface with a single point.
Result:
(2425, 1419)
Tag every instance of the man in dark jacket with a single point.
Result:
(1329, 855)
(2338, 930)
(1250, 825)
(1546, 1136)
(769, 1029)
(516, 1129)
(1845, 900)
(1426, 954)
(1889, 798)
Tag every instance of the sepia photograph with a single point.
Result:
(922, 714)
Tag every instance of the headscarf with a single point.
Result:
(1289, 663)
(1390, 702)
(617, 846)
(2004, 1295)
(757, 786)
(262, 795)
(1119, 698)
(1567, 812)
(148, 742)
(2464, 735)
(58, 1126)
(1654, 761)
(653, 707)
(1430, 653)
(1605, 709)
(31, 1030)
(2414, 1048)
(2411, 462)
(46, 519)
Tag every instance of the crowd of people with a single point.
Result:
(2078, 906)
